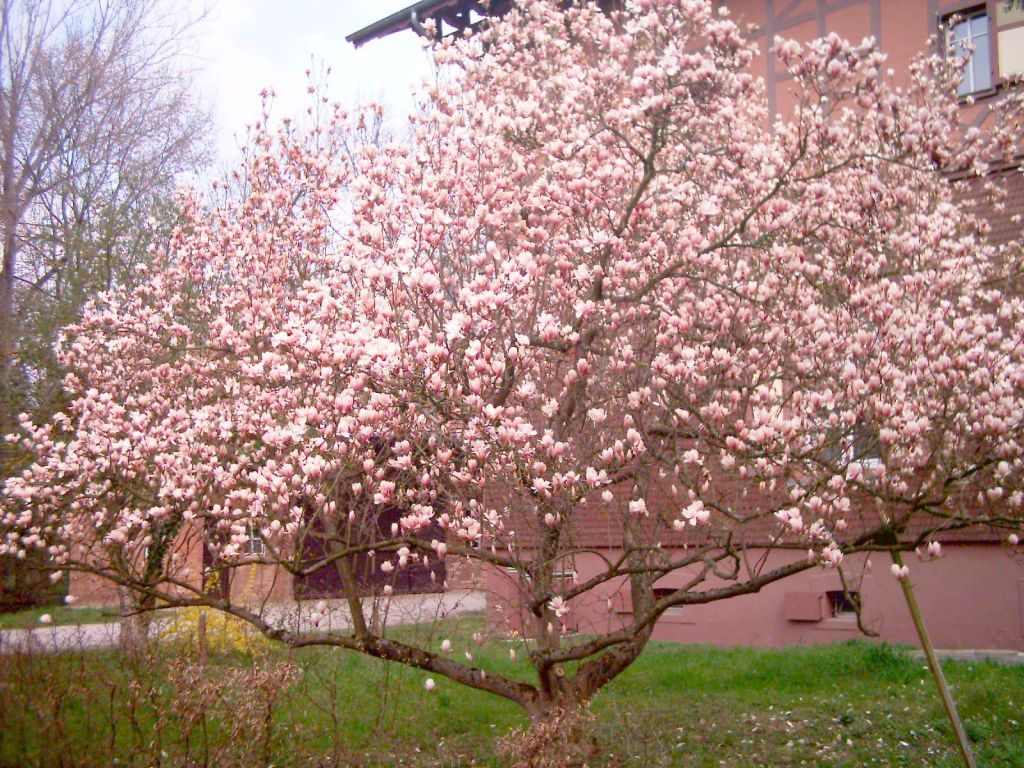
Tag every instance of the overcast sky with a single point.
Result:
(247, 45)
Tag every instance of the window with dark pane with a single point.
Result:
(843, 603)
(661, 592)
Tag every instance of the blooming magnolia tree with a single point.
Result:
(599, 283)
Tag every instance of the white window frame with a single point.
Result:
(254, 545)
(963, 19)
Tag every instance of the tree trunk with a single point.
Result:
(8, 326)
(134, 623)
(561, 734)
(201, 640)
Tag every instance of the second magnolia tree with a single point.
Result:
(598, 284)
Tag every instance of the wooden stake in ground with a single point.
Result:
(201, 638)
(933, 664)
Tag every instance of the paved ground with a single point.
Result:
(66, 638)
(333, 614)
(305, 616)
(1002, 657)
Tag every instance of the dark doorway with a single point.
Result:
(416, 578)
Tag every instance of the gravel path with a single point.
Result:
(304, 616)
(998, 656)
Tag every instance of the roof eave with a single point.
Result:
(407, 18)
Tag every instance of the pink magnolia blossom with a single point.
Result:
(597, 263)
(901, 572)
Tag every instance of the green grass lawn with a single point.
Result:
(853, 704)
(60, 615)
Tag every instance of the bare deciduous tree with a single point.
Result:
(97, 117)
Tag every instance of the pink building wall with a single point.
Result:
(250, 584)
(901, 28)
(971, 597)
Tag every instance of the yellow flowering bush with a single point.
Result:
(224, 633)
